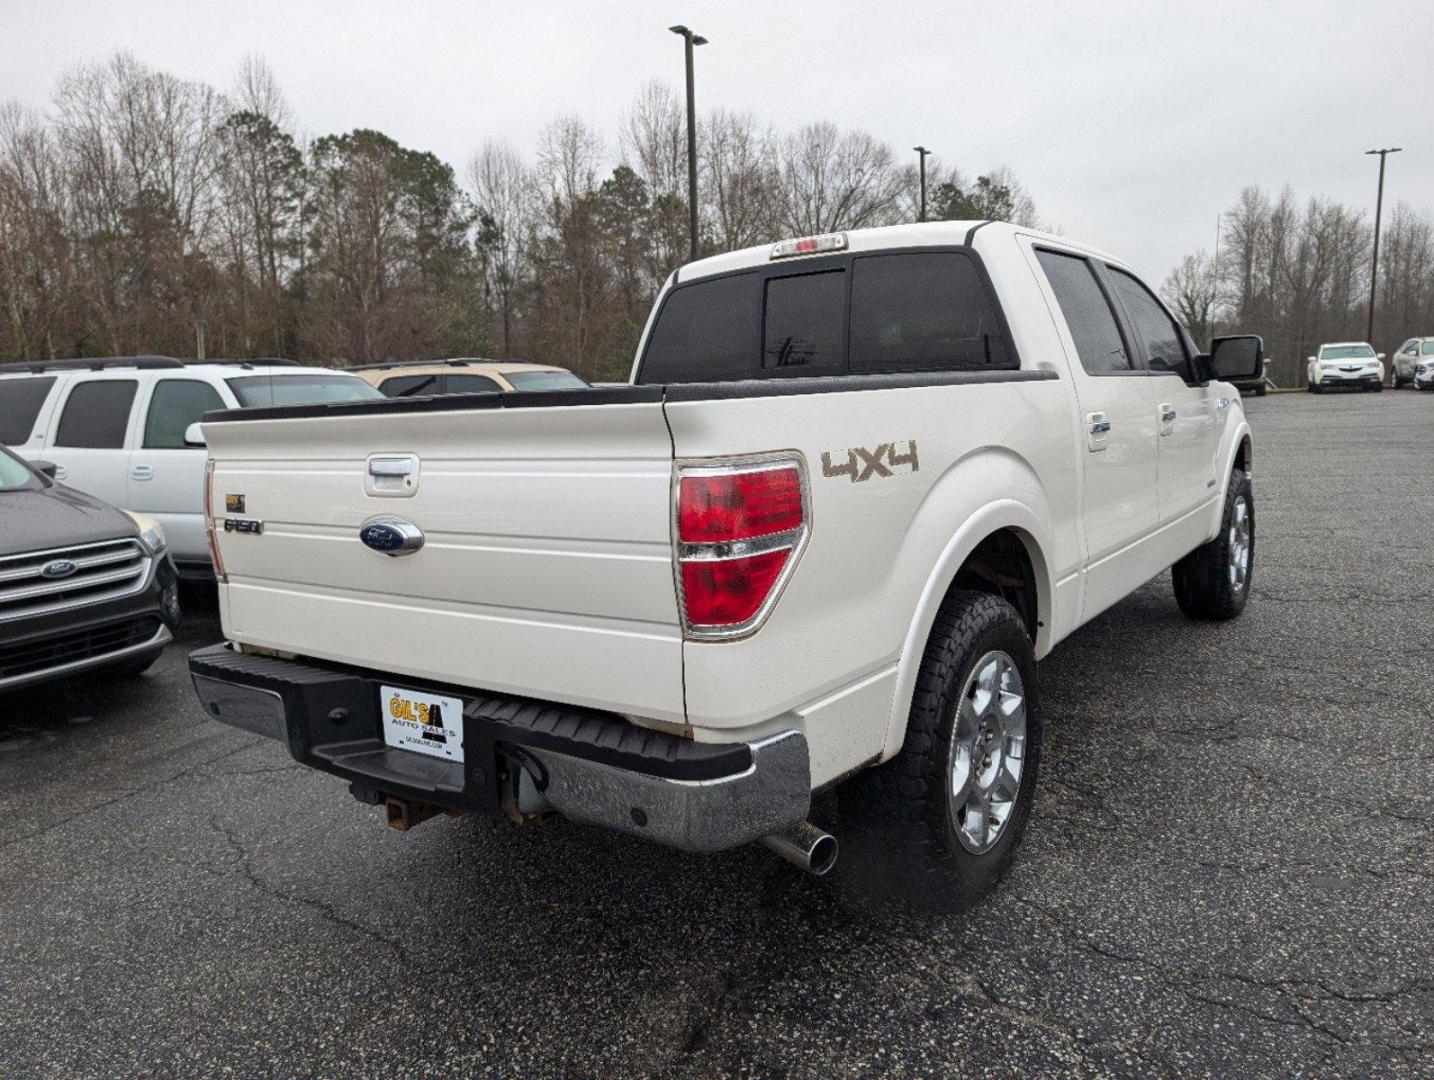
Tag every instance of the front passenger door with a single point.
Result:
(1118, 435)
(1188, 416)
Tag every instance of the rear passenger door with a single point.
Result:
(1187, 413)
(89, 435)
(1118, 431)
(166, 477)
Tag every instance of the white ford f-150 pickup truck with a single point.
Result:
(858, 485)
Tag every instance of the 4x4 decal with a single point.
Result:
(862, 464)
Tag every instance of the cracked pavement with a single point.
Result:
(1227, 873)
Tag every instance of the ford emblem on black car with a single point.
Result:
(58, 569)
(390, 535)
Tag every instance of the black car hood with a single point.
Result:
(56, 516)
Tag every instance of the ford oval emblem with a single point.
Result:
(391, 535)
(60, 568)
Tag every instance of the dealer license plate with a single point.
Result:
(424, 723)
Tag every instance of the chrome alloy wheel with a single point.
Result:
(1239, 567)
(988, 751)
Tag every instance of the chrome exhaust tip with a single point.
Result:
(804, 846)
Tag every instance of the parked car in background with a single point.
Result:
(464, 375)
(124, 429)
(1408, 358)
(1257, 385)
(1352, 364)
(83, 586)
(1424, 373)
(860, 483)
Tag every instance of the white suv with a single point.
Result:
(1414, 355)
(125, 429)
(1345, 363)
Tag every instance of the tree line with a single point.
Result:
(143, 210)
(1298, 272)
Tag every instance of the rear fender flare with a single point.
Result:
(991, 518)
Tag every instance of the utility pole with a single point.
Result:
(690, 40)
(1378, 209)
(921, 152)
(199, 337)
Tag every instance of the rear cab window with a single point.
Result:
(20, 402)
(865, 313)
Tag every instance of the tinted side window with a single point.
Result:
(1087, 313)
(922, 312)
(470, 384)
(410, 385)
(543, 380)
(96, 414)
(805, 323)
(20, 401)
(174, 405)
(705, 331)
(1164, 343)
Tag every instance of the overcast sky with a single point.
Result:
(1132, 123)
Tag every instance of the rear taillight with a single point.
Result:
(738, 527)
(214, 556)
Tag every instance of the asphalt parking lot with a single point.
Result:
(1228, 872)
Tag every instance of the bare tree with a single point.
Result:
(653, 143)
(740, 180)
(833, 180)
(503, 189)
(1192, 289)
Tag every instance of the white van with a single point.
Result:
(120, 428)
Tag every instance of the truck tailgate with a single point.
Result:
(546, 565)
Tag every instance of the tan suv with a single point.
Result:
(420, 378)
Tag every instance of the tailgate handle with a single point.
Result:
(390, 466)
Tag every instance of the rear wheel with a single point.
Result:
(937, 826)
(1261, 390)
(1213, 581)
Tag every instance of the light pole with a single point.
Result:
(1378, 209)
(921, 153)
(689, 41)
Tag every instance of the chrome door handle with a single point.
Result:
(1097, 428)
(1222, 403)
(61, 472)
(1167, 415)
(390, 466)
(142, 472)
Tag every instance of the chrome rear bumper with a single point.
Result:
(521, 756)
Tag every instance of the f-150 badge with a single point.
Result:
(862, 464)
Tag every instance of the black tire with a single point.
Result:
(901, 838)
(1261, 390)
(1316, 388)
(1375, 387)
(131, 669)
(1205, 587)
